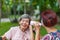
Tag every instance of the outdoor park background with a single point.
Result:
(10, 10)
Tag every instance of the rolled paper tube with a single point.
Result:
(32, 22)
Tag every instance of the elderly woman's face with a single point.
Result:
(24, 23)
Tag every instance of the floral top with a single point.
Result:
(52, 36)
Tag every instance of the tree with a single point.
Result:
(0, 9)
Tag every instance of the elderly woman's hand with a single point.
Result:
(3, 37)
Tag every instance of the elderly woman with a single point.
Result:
(23, 31)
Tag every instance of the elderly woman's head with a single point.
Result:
(49, 18)
(24, 21)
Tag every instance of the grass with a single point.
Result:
(5, 26)
(58, 26)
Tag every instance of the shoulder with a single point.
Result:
(47, 37)
(14, 28)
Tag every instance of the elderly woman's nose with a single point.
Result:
(24, 22)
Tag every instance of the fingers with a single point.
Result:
(36, 25)
(3, 38)
(33, 22)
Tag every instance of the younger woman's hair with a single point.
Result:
(49, 18)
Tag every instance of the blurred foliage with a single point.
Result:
(15, 6)
(46, 4)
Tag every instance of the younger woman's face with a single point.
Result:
(24, 23)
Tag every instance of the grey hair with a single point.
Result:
(24, 16)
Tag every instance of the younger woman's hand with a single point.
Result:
(36, 26)
(37, 30)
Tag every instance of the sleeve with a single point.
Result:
(8, 34)
(47, 37)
